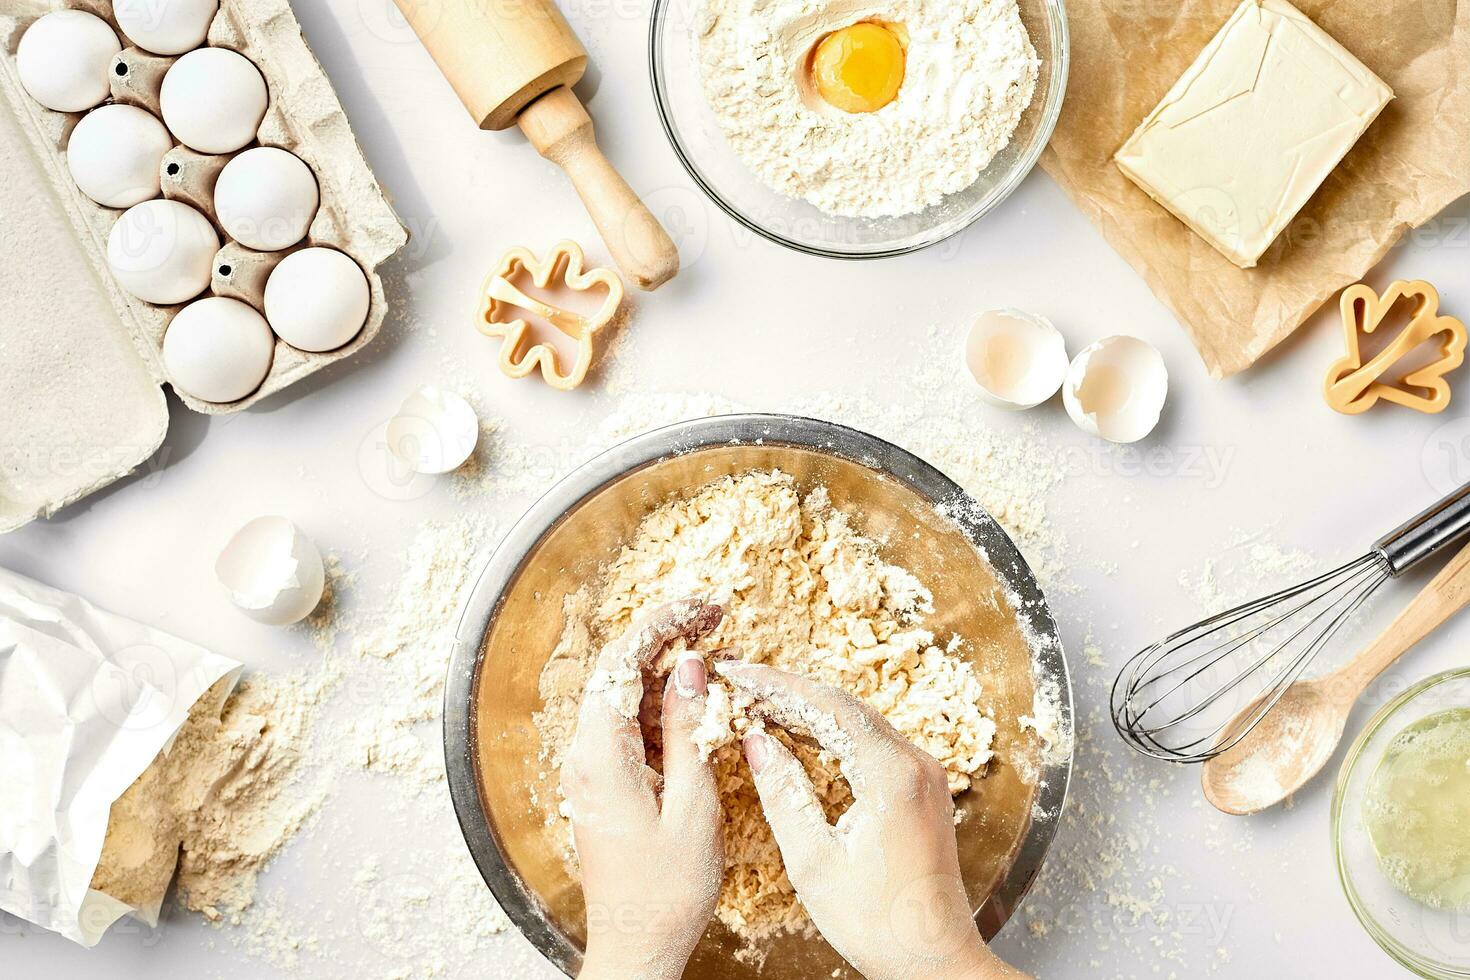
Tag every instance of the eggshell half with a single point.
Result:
(1116, 389)
(272, 571)
(213, 100)
(265, 199)
(115, 153)
(162, 251)
(63, 60)
(435, 431)
(165, 26)
(1018, 359)
(218, 349)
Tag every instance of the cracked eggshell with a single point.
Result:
(165, 26)
(114, 155)
(63, 60)
(272, 571)
(265, 199)
(1116, 389)
(213, 100)
(162, 251)
(1018, 359)
(435, 431)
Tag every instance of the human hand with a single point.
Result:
(883, 886)
(651, 866)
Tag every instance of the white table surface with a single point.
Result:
(1144, 879)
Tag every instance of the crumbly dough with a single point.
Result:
(971, 72)
(805, 592)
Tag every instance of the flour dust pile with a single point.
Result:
(804, 592)
(261, 768)
(218, 805)
(969, 73)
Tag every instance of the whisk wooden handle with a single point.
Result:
(1446, 594)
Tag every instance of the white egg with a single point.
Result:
(1116, 388)
(114, 155)
(165, 26)
(1017, 359)
(265, 199)
(64, 58)
(316, 299)
(218, 349)
(213, 100)
(435, 431)
(272, 571)
(162, 251)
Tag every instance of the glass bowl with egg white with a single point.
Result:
(1400, 813)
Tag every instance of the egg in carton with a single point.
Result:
(82, 358)
(302, 117)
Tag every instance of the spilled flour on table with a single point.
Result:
(1248, 566)
(1105, 882)
(349, 730)
(1109, 900)
(237, 788)
(219, 803)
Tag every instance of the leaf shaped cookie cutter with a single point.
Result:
(1353, 387)
(518, 356)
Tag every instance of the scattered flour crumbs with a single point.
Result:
(1105, 879)
(287, 746)
(237, 786)
(803, 591)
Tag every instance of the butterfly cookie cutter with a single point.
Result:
(1354, 387)
(565, 264)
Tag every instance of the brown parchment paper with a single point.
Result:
(1410, 165)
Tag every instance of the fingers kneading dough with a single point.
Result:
(620, 666)
(868, 747)
(645, 640)
(807, 841)
(691, 797)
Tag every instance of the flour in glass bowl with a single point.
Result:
(970, 73)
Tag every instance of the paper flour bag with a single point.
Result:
(89, 702)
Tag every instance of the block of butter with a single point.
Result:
(1253, 128)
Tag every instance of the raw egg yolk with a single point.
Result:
(859, 68)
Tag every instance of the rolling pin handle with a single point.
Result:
(560, 129)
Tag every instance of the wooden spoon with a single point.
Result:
(1297, 737)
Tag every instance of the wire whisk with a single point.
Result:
(1202, 690)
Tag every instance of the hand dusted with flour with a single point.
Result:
(970, 73)
(802, 591)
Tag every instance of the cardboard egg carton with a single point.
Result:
(80, 359)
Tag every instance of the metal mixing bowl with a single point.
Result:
(983, 590)
(702, 148)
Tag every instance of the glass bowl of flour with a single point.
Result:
(982, 88)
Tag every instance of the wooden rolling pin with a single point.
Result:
(514, 62)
